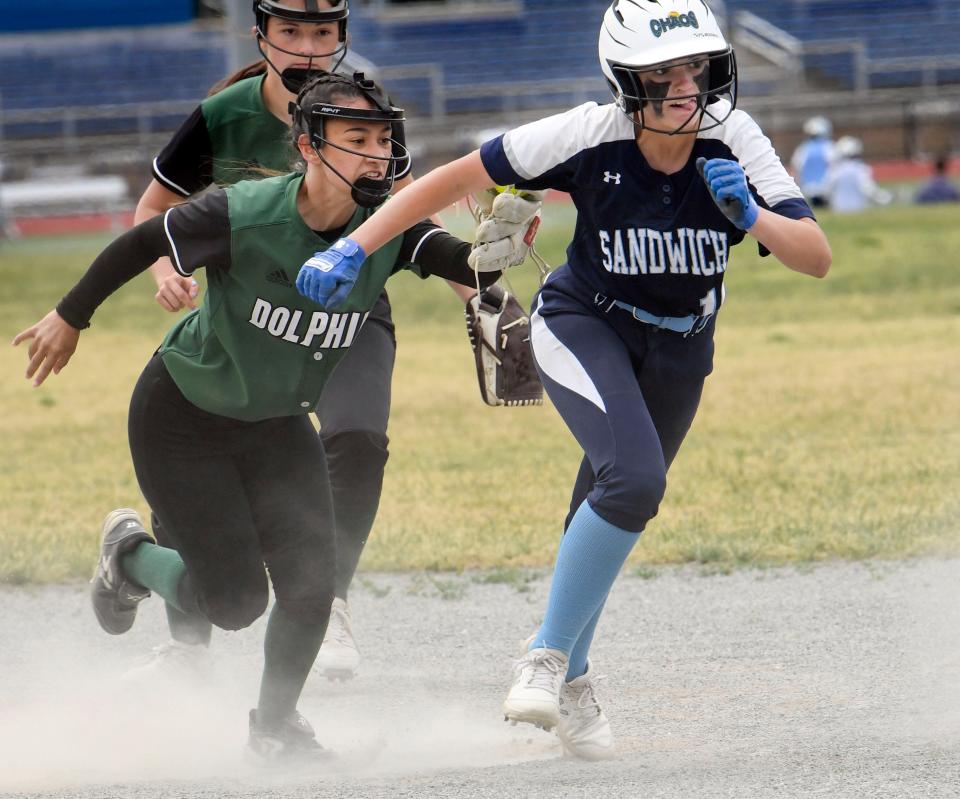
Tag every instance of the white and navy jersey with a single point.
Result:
(649, 239)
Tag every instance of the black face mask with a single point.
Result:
(370, 192)
(367, 192)
(294, 78)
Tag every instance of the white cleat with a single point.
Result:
(535, 695)
(583, 729)
(172, 662)
(339, 657)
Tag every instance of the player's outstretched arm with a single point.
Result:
(54, 338)
(464, 293)
(423, 198)
(328, 277)
(52, 343)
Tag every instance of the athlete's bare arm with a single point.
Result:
(425, 197)
(798, 244)
(463, 292)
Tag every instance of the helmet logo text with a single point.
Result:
(675, 20)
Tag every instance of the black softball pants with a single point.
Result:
(232, 497)
(354, 410)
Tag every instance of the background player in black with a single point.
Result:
(219, 430)
(242, 124)
(665, 181)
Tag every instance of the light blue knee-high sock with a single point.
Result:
(589, 560)
(577, 665)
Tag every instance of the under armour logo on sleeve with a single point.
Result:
(609, 177)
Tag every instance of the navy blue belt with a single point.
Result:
(688, 325)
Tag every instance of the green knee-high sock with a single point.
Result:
(289, 649)
(160, 569)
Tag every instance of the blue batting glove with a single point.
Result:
(728, 187)
(328, 277)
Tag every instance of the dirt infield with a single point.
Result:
(841, 681)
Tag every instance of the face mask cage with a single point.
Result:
(641, 99)
(294, 78)
(366, 192)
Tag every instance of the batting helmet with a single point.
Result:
(638, 36)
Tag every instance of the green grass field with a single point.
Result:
(829, 429)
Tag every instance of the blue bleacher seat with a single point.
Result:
(902, 29)
(550, 41)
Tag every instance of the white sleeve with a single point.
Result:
(538, 147)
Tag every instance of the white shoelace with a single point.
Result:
(587, 699)
(544, 671)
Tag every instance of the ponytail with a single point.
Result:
(249, 71)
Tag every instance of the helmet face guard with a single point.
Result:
(312, 13)
(366, 192)
(641, 96)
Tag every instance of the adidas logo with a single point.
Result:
(279, 277)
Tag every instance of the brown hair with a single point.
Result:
(249, 71)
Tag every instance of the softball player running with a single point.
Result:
(219, 429)
(665, 180)
(244, 125)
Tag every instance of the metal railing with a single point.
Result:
(451, 9)
(790, 54)
(928, 67)
(855, 48)
(431, 73)
(768, 41)
(63, 124)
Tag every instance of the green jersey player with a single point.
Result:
(219, 427)
(241, 131)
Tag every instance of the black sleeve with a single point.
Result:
(199, 233)
(123, 259)
(435, 252)
(185, 165)
(193, 234)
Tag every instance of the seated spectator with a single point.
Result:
(850, 184)
(938, 189)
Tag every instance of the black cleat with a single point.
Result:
(287, 741)
(114, 597)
